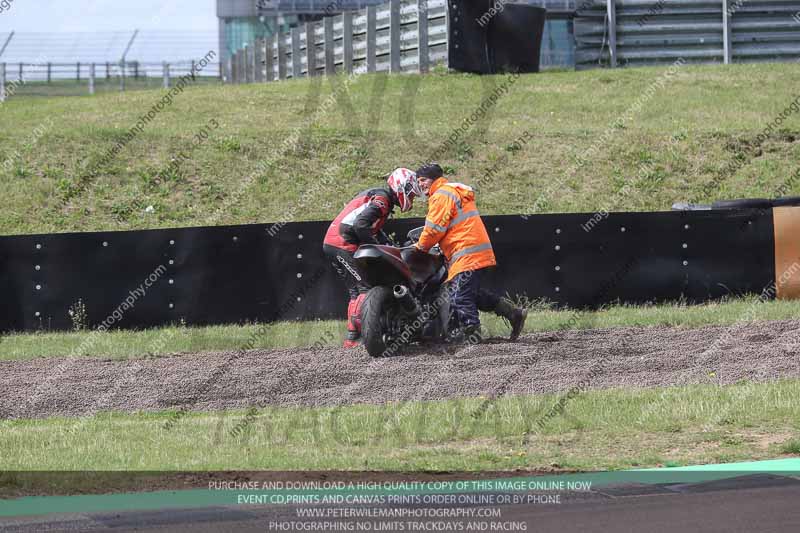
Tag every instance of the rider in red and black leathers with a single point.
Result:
(361, 222)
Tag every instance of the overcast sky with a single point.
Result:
(108, 15)
(66, 31)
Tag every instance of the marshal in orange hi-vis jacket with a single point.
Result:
(454, 223)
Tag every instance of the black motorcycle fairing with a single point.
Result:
(423, 266)
(386, 265)
(382, 265)
(437, 279)
(386, 325)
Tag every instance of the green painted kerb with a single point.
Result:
(142, 501)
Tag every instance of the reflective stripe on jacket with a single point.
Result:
(454, 223)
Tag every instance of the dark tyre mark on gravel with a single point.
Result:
(547, 362)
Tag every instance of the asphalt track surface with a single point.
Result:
(546, 362)
(763, 503)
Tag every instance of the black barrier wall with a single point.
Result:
(487, 37)
(233, 274)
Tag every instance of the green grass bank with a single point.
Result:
(693, 136)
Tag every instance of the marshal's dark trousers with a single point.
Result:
(468, 297)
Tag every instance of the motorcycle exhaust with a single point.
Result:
(407, 301)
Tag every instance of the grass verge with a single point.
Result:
(61, 87)
(693, 137)
(598, 430)
(178, 339)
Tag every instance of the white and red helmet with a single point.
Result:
(403, 182)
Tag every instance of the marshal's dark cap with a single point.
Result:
(430, 170)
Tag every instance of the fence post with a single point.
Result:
(248, 64)
(166, 75)
(78, 72)
(91, 78)
(447, 40)
(21, 79)
(270, 58)
(347, 41)
(242, 56)
(727, 53)
(330, 67)
(136, 70)
(108, 70)
(311, 50)
(2, 82)
(372, 41)
(243, 70)
(423, 58)
(194, 70)
(297, 63)
(49, 71)
(122, 75)
(611, 8)
(258, 60)
(235, 67)
(281, 55)
(251, 61)
(394, 36)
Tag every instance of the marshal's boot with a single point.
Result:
(515, 315)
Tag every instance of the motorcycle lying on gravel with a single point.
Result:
(408, 302)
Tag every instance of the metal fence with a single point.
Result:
(401, 36)
(73, 79)
(80, 63)
(644, 32)
(305, 7)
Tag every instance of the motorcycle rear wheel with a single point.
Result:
(379, 311)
